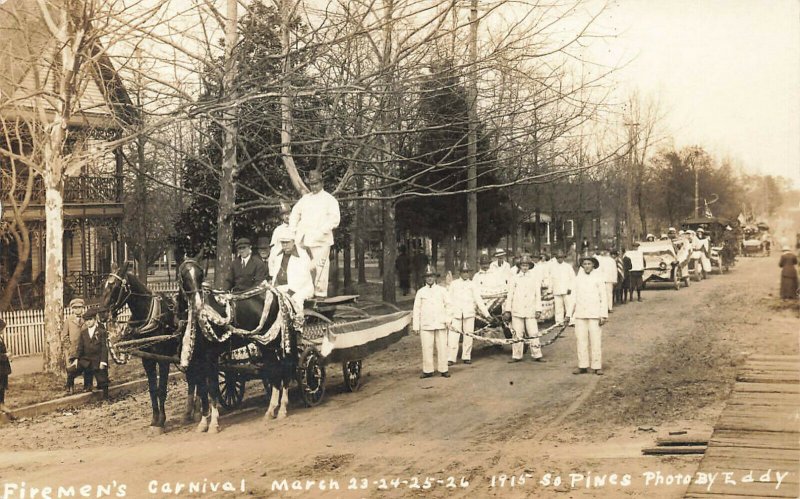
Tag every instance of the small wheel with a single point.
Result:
(352, 375)
(311, 377)
(231, 389)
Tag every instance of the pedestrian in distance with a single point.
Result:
(71, 332)
(590, 312)
(636, 272)
(430, 320)
(788, 265)
(523, 307)
(403, 267)
(465, 297)
(91, 356)
(5, 367)
(563, 278)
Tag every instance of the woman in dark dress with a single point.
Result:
(788, 266)
(5, 368)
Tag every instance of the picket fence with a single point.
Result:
(24, 332)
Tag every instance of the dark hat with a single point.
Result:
(429, 270)
(465, 267)
(314, 176)
(242, 241)
(525, 259)
(90, 313)
(262, 243)
(591, 259)
(484, 259)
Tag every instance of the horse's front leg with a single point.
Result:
(152, 387)
(274, 400)
(163, 386)
(202, 392)
(191, 399)
(213, 381)
(284, 404)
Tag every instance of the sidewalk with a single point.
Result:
(26, 365)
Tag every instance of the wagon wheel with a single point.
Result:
(352, 375)
(311, 377)
(231, 389)
(676, 278)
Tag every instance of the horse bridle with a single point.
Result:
(194, 289)
(124, 287)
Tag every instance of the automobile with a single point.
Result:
(664, 262)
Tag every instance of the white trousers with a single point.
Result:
(320, 261)
(706, 262)
(610, 295)
(466, 325)
(588, 334)
(525, 327)
(562, 304)
(429, 338)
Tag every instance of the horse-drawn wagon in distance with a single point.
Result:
(224, 339)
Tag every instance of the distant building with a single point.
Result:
(93, 207)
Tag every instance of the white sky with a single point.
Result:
(726, 71)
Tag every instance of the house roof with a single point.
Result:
(27, 60)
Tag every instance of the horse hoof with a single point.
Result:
(281, 415)
(202, 427)
(213, 429)
(156, 430)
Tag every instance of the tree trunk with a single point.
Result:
(333, 270)
(472, 141)
(54, 251)
(227, 190)
(347, 257)
(449, 254)
(389, 251)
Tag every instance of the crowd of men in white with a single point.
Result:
(444, 314)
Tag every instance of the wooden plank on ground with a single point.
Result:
(674, 449)
(759, 466)
(683, 440)
(765, 398)
(771, 425)
(776, 357)
(779, 412)
(766, 388)
(754, 439)
(768, 378)
(784, 366)
(755, 453)
(748, 489)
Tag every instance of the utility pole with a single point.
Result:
(633, 137)
(472, 139)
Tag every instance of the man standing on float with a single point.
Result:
(313, 219)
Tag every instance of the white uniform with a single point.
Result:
(490, 283)
(465, 297)
(608, 271)
(503, 269)
(432, 314)
(702, 246)
(313, 219)
(524, 300)
(277, 233)
(298, 276)
(563, 278)
(588, 307)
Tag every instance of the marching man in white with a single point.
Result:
(702, 245)
(589, 311)
(523, 306)
(563, 278)
(465, 297)
(313, 218)
(431, 318)
(608, 273)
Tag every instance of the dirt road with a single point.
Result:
(669, 361)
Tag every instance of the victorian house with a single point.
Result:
(92, 189)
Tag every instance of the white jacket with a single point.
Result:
(637, 260)
(432, 309)
(465, 297)
(563, 277)
(313, 218)
(298, 275)
(589, 296)
(607, 268)
(279, 231)
(524, 295)
(490, 283)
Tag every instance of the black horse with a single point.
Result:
(252, 326)
(152, 315)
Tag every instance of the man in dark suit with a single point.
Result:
(248, 270)
(91, 356)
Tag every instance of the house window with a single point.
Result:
(569, 228)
